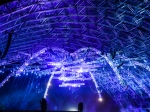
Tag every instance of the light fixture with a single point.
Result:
(100, 99)
(71, 84)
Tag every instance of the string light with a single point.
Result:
(75, 69)
(71, 84)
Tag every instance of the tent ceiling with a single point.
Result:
(118, 26)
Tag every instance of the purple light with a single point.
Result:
(71, 84)
(100, 99)
(80, 70)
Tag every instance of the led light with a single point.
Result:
(17, 74)
(71, 84)
(45, 95)
(80, 70)
(26, 64)
(57, 64)
(21, 70)
(72, 109)
(100, 99)
(49, 84)
(42, 51)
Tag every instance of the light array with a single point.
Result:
(73, 73)
(48, 85)
(73, 79)
(78, 69)
(111, 26)
(96, 85)
(22, 67)
(71, 84)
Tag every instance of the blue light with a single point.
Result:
(117, 29)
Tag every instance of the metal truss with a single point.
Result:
(112, 35)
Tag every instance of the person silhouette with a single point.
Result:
(43, 104)
(80, 107)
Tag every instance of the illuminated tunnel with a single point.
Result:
(71, 51)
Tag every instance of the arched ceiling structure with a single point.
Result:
(104, 39)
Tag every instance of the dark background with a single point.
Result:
(5, 1)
